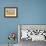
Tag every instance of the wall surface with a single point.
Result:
(29, 12)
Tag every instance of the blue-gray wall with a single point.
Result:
(29, 12)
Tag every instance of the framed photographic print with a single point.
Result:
(10, 12)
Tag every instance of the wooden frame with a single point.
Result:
(10, 12)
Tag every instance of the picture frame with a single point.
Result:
(10, 12)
